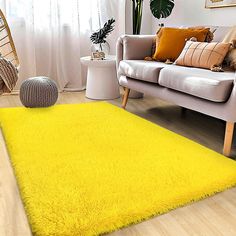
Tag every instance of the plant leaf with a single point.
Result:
(100, 36)
(161, 8)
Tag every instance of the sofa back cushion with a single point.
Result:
(203, 55)
(220, 32)
(172, 41)
(231, 56)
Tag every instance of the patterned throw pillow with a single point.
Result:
(203, 55)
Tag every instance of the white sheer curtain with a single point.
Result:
(52, 35)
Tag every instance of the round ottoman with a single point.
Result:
(38, 92)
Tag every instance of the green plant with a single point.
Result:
(161, 8)
(100, 36)
(137, 8)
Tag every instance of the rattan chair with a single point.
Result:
(7, 46)
(9, 61)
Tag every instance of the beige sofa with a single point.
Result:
(197, 89)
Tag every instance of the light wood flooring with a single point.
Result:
(214, 216)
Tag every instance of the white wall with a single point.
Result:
(193, 12)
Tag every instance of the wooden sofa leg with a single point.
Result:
(229, 131)
(125, 97)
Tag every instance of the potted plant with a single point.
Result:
(99, 37)
(159, 8)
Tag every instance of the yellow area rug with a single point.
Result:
(93, 168)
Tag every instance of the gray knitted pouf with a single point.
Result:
(38, 92)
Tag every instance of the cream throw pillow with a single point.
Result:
(203, 55)
(231, 56)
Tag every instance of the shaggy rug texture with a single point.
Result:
(93, 168)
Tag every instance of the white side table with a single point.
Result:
(102, 82)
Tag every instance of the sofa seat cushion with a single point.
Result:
(213, 86)
(141, 70)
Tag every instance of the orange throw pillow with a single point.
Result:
(203, 55)
(172, 41)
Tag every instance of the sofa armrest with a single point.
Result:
(134, 47)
